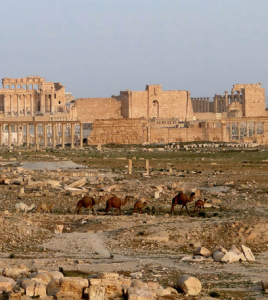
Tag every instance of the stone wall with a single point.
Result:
(121, 131)
(90, 109)
(155, 103)
(138, 131)
(254, 101)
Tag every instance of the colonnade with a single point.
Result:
(24, 110)
(249, 129)
(57, 130)
(200, 104)
(221, 102)
(18, 104)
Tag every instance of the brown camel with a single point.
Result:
(87, 202)
(139, 206)
(116, 202)
(181, 199)
(199, 204)
(45, 207)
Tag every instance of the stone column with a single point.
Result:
(11, 105)
(232, 96)
(1, 134)
(25, 107)
(5, 108)
(36, 136)
(215, 104)
(130, 166)
(255, 128)
(42, 103)
(27, 135)
(9, 135)
(247, 126)
(81, 135)
(147, 165)
(230, 131)
(18, 105)
(63, 135)
(32, 107)
(239, 131)
(226, 100)
(54, 135)
(51, 104)
(45, 134)
(208, 104)
(72, 135)
(223, 132)
(18, 134)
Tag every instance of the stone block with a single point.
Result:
(248, 253)
(77, 183)
(189, 285)
(72, 287)
(96, 293)
(202, 251)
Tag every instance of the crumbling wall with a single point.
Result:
(90, 109)
(120, 131)
(138, 131)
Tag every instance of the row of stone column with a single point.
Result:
(9, 98)
(54, 134)
(234, 125)
(200, 104)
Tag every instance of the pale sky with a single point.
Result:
(98, 47)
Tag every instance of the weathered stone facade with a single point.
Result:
(151, 103)
(155, 103)
(29, 96)
(249, 98)
(90, 109)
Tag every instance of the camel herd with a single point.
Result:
(115, 202)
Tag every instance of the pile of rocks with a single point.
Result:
(19, 283)
(221, 254)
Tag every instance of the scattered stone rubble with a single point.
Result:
(96, 287)
(220, 254)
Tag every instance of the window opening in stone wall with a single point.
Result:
(55, 96)
(12, 86)
(24, 86)
(6, 86)
(36, 86)
(59, 102)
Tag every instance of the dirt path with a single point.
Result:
(78, 244)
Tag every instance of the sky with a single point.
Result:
(97, 48)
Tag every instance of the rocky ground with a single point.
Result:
(152, 245)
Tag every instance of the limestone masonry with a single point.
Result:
(132, 117)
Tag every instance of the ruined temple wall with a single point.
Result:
(121, 131)
(205, 116)
(254, 101)
(138, 131)
(169, 135)
(154, 103)
(90, 109)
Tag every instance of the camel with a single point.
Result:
(116, 202)
(45, 207)
(181, 199)
(199, 204)
(87, 202)
(139, 206)
(22, 206)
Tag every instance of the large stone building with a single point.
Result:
(29, 96)
(151, 103)
(248, 99)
